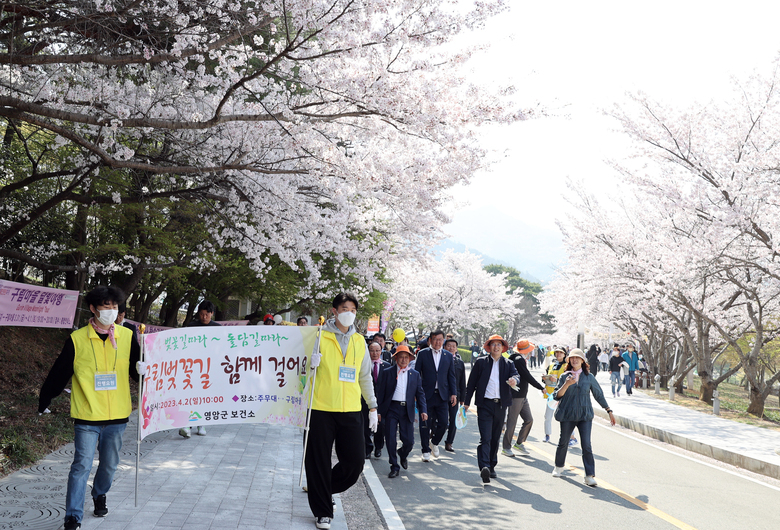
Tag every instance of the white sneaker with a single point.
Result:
(508, 452)
(185, 431)
(520, 448)
(322, 523)
(426, 457)
(590, 480)
(436, 451)
(557, 472)
(201, 431)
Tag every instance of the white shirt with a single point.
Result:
(400, 385)
(493, 390)
(436, 359)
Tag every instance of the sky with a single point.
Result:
(577, 60)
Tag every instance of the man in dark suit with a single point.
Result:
(493, 397)
(437, 369)
(399, 387)
(451, 345)
(377, 365)
(380, 339)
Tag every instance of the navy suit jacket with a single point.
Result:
(382, 366)
(387, 382)
(445, 376)
(480, 375)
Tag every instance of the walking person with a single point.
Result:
(491, 379)
(451, 345)
(437, 370)
(399, 391)
(604, 360)
(520, 406)
(374, 440)
(575, 411)
(203, 318)
(556, 367)
(616, 363)
(100, 361)
(632, 365)
(593, 359)
(343, 376)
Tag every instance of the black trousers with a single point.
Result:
(345, 430)
(451, 428)
(438, 415)
(397, 420)
(490, 419)
(373, 440)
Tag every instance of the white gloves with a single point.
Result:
(140, 367)
(315, 359)
(373, 420)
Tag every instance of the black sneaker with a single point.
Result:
(100, 506)
(71, 523)
(485, 474)
(323, 523)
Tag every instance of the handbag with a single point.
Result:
(460, 418)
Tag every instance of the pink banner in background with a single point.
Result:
(22, 304)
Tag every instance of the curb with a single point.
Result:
(383, 502)
(722, 455)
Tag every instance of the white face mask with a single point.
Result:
(346, 318)
(107, 316)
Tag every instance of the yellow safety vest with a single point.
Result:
(557, 373)
(330, 394)
(95, 355)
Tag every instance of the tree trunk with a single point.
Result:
(706, 389)
(757, 402)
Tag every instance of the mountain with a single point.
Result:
(506, 240)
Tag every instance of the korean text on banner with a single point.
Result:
(22, 304)
(373, 325)
(216, 375)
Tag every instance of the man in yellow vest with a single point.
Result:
(101, 359)
(343, 375)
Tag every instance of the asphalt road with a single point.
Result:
(643, 484)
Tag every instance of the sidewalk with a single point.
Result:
(738, 444)
(236, 477)
(246, 476)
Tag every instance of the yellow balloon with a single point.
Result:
(398, 335)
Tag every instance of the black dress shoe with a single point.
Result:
(485, 474)
(404, 463)
(448, 447)
(493, 474)
(378, 453)
(393, 473)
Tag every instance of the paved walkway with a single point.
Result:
(246, 476)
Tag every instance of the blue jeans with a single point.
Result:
(108, 440)
(630, 379)
(614, 378)
(567, 428)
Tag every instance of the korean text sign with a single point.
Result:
(215, 375)
(22, 304)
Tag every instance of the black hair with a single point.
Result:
(306, 320)
(123, 307)
(379, 335)
(206, 305)
(434, 333)
(450, 340)
(345, 297)
(101, 295)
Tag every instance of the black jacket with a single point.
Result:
(460, 378)
(480, 375)
(521, 390)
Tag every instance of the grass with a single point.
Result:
(733, 404)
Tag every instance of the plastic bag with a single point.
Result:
(460, 418)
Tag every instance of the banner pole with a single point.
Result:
(308, 410)
(141, 329)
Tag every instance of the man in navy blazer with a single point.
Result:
(437, 369)
(378, 437)
(493, 397)
(399, 387)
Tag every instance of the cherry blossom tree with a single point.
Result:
(325, 133)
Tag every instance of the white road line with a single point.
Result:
(661, 448)
(392, 519)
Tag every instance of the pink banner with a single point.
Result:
(22, 304)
